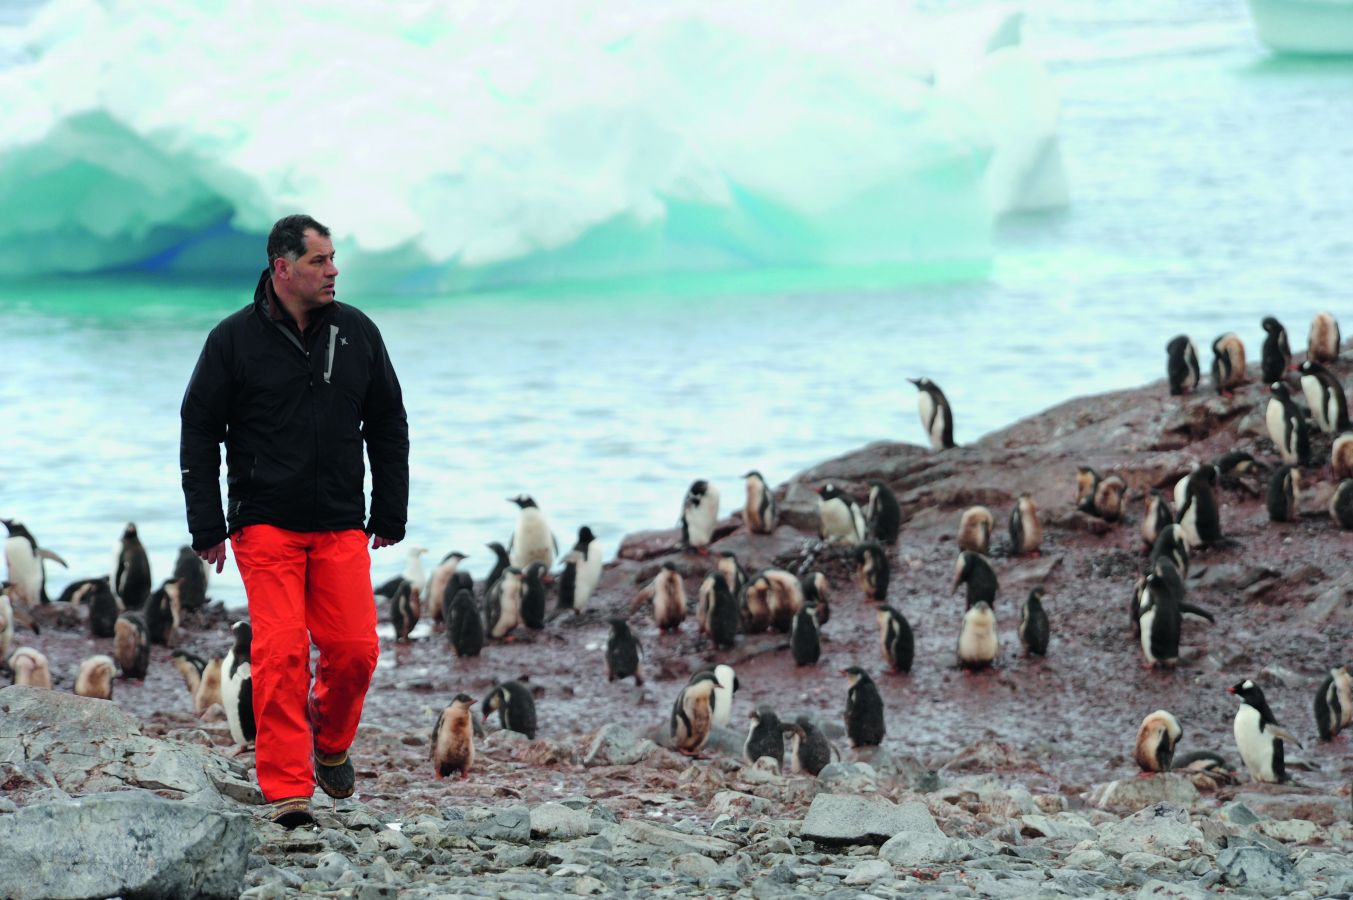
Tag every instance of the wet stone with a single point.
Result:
(1258, 869)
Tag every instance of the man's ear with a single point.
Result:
(281, 267)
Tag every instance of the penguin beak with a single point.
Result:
(1230, 690)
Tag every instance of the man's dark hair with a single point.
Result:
(287, 237)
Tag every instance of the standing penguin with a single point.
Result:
(464, 625)
(435, 593)
(1033, 624)
(818, 592)
(864, 710)
(973, 570)
(871, 571)
(699, 514)
(237, 686)
(978, 641)
(765, 737)
(896, 639)
(1158, 517)
(839, 516)
(103, 607)
(1333, 703)
(95, 678)
(202, 678)
(936, 417)
(623, 653)
(1258, 734)
(809, 749)
(9, 615)
(1026, 533)
(691, 721)
(734, 575)
(1159, 619)
(532, 597)
(1322, 343)
(1171, 544)
(759, 512)
(501, 562)
(717, 611)
(1287, 426)
(725, 685)
(1283, 491)
(668, 593)
(1341, 505)
(1277, 354)
(1156, 740)
(783, 595)
(131, 577)
(453, 739)
(804, 641)
(24, 562)
(1341, 457)
(1325, 397)
(1228, 363)
(30, 668)
(883, 514)
(974, 530)
(190, 572)
(1196, 506)
(131, 645)
(532, 541)
(1182, 365)
(164, 613)
(582, 571)
(515, 706)
(404, 610)
(502, 605)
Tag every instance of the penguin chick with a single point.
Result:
(804, 640)
(978, 641)
(404, 610)
(191, 573)
(725, 685)
(1026, 533)
(765, 737)
(817, 591)
(1333, 703)
(30, 668)
(532, 610)
(1341, 457)
(973, 570)
(1100, 496)
(974, 530)
(1182, 365)
(1205, 769)
(864, 710)
(515, 706)
(131, 576)
(453, 739)
(1258, 734)
(164, 613)
(237, 686)
(582, 572)
(501, 562)
(936, 417)
(1158, 517)
(202, 678)
(1341, 505)
(883, 514)
(668, 593)
(780, 593)
(809, 749)
(839, 516)
(699, 514)
(436, 590)
(690, 724)
(1033, 624)
(733, 573)
(871, 571)
(1325, 397)
(623, 653)
(896, 639)
(1287, 426)
(95, 678)
(1277, 355)
(1156, 740)
(532, 541)
(502, 605)
(1322, 342)
(131, 645)
(464, 626)
(1283, 494)
(759, 512)
(1228, 363)
(717, 611)
(103, 608)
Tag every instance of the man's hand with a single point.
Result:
(214, 556)
(378, 542)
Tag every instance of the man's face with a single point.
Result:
(310, 279)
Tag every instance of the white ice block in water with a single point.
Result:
(1320, 27)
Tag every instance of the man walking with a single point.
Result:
(293, 385)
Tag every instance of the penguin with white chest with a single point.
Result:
(237, 686)
(24, 563)
(1026, 532)
(936, 417)
(839, 516)
(667, 592)
(883, 514)
(1196, 505)
(1287, 426)
(1160, 619)
(131, 576)
(760, 511)
(1157, 738)
(726, 685)
(532, 541)
(1284, 490)
(582, 572)
(1277, 355)
(502, 605)
(1258, 734)
(1325, 397)
(453, 739)
(1182, 365)
(699, 514)
(1334, 703)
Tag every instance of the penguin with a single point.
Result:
(699, 514)
(95, 678)
(131, 577)
(1322, 343)
(24, 562)
(1182, 365)
(817, 591)
(190, 571)
(1087, 479)
(164, 613)
(501, 562)
(1341, 505)
(30, 668)
(502, 605)
(1160, 616)
(1026, 532)
(1171, 544)
(202, 678)
(1196, 508)
(765, 737)
(691, 718)
(237, 686)
(864, 710)
(103, 607)
(1287, 426)
(532, 541)
(1157, 738)
(871, 571)
(1333, 703)
(623, 653)
(754, 613)
(1228, 363)
(515, 706)
(809, 749)
(668, 593)
(1205, 764)
(780, 592)
(1258, 734)
(1033, 624)
(1100, 496)
(9, 615)
(839, 516)
(1233, 467)
(974, 530)
(734, 575)
(1325, 397)
(1341, 457)
(1158, 517)
(717, 611)
(464, 625)
(978, 641)
(131, 645)
(973, 570)
(533, 597)
(760, 511)
(1277, 355)
(725, 685)
(582, 572)
(936, 417)
(404, 610)
(896, 639)
(453, 739)
(804, 640)
(436, 590)
(883, 514)
(1283, 494)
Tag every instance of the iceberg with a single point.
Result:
(463, 146)
(1316, 27)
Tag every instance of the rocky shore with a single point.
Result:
(1017, 782)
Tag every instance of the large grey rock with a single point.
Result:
(616, 745)
(848, 778)
(849, 819)
(127, 843)
(910, 849)
(675, 842)
(1258, 869)
(1162, 830)
(1132, 794)
(1063, 826)
(557, 822)
(512, 823)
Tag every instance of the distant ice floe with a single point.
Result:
(467, 145)
(1321, 27)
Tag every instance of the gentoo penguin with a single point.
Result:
(533, 596)
(1228, 363)
(1182, 365)
(190, 572)
(759, 512)
(30, 668)
(699, 514)
(1341, 505)
(1277, 354)
(435, 593)
(515, 706)
(1196, 508)
(1156, 740)
(1284, 490)
(1325, 397)
(1033, 624)
(804, 641)
(500, 564)
(131, 577)
(95, 678)
(779, 592)
(725, 685)
(202, 678)
(973, 570)
(1322, 344)
(1158, 517)
(405, 610)
(667, 590)
(1160, 616)
(237, 686)
(1026, 532)
(691, 714)
(1258, 734)
(502, 604)
(817, 590)
(1333, 703)
(936, 417)
(1341, 457)
(978, 641)
(839, 517)
(1171, 544)
(532, 541)
(1287, 426)
(453, 739)
(24, 562)
(464, 625)
(864, 709)
(103, 607)
(623, 653)
(974, 530)
(883, 514)
(734, 575)
(765, 737)
(582, 571)
(871, 571)
(809, 749)
(896, 639)
(717, 611)
(1204, 764)
(164, 613)
(131, 645)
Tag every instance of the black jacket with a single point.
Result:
(293, 411)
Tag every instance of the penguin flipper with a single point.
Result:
(1197, 611)
(44, 553)
(1280, 732)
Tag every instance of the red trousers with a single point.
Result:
(305, 586)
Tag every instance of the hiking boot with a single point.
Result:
(334, 774)
(293, 812)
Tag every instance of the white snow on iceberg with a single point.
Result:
(1317, 27)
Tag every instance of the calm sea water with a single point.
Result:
(1209, 188)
